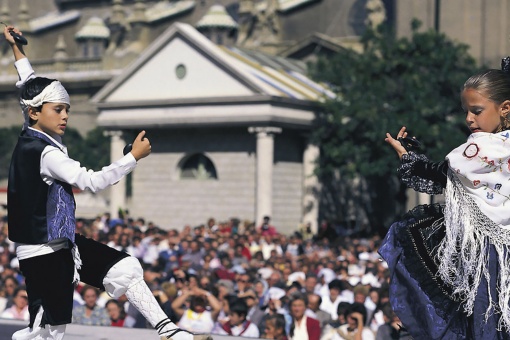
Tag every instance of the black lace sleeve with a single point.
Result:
(422, 175)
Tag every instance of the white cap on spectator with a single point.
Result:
(370, 279)
(329, 275)
(364, 256)
(353, 280)
(215, 263)
(295, 277)
(276, 293)
(265, 273)
(238, 269)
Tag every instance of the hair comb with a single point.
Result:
(505, 65)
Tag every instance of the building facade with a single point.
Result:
(227, 111)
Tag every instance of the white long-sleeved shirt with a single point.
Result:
(57, 165)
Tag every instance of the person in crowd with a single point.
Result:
(266, 228)
(90, 313)
(355, 328)
(254, 314)
(237, 324)
(165, 296)
(392, 328)
(275, 327)
(195, 317)
(19, 308)
(10, 284)
(244, 282)
(330, 331)
(302, 327)
(275, 305)
(314, 311)
(330, 303)
(326, 231)
(117, 313)
(225, 289)
(311, 282)
(361, 296)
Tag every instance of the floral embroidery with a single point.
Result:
(498, 186)
(471, 150)
(476, 182)
(490, 195)
(489, 163)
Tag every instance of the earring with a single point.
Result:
(505, 124)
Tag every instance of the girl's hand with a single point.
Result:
(141, 147)
(395, 143)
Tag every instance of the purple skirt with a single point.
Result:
(421, 300)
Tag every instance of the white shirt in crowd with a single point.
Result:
(251, 332)
(300, 330)
(332, 306)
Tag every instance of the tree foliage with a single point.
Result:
(413, 82)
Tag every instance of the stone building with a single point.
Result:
(230, 123)
(229, 132)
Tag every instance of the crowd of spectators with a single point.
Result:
(236, 278)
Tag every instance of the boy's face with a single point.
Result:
(235, 319)
(52, 119)
(297, 309)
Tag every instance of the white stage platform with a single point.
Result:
(80, 332)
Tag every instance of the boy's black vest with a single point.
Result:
(37, 212)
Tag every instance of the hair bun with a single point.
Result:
(505, 65)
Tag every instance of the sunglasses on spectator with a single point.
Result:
(241, 280)
(180, 279)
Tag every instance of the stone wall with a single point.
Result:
(232, 152)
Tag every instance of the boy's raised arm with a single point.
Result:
(25, 70)
(17, 49)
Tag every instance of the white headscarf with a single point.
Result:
(53, 93)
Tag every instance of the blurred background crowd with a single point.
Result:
(234, 277)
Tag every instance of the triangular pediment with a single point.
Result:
(180, 64)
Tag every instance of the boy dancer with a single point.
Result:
(42, 222)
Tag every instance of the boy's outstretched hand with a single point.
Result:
(395, 143)
(141, 147)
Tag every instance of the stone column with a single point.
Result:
(118, 190)
(311, 187)
(264, 173)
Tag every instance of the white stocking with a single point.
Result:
(126, 277)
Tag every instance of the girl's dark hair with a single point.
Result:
(494, 84)
(122, 315)
(34, 86)
(278, 321)
(357, 307)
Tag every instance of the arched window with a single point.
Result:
(198, 166)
